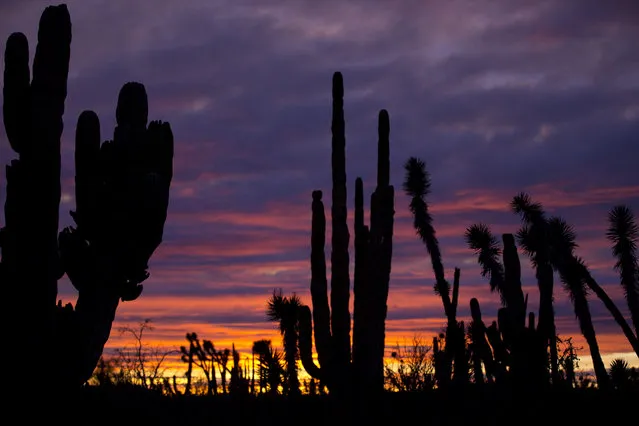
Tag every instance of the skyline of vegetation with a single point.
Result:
(501, 335)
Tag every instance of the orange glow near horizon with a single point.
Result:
(229, 300)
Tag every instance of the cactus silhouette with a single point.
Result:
(417, 186)
(480, 349)
(513, 344)
(188, 356)
(557, 241)
(373, 253)
(121, 193)
(623, 233)
(535, 224)
(526, 349)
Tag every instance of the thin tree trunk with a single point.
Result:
(616, 314)
(585, 321)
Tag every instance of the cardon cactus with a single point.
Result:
(121, 194)
(339, 370)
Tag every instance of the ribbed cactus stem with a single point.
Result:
(475, 311)
(17, 102)
(373, 253)
(455, 298)
(87, 174)
(319, 286)
(361, 305)
(379, 252)
(133, 106)
(32, 113)
(306, 344)
(512, 276)
(383, 149)
(340, 277)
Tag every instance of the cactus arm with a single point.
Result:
(361, 291)
(319, 285)
(340, 279)
(512, 277)
(32, 113)
(386, 205)
(87, 173)
(382, 239)
(17, 116)
(160, 151)
(455, 299)
(373, 253)
(306, 343)
(92, 254)
(16, 91)
(88, 329)
(42, 154)
(50, 72)
(37, 177)
(383, 149)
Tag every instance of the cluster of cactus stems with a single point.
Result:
(121, 194)
(340, 368)
(501, 352)
(518, 355)
(510, 351)
(526, 352)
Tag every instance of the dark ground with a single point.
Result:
(95, 406)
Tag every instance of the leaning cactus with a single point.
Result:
(373, 252)
(417, 186)
(122, 195)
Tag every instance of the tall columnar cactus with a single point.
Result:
(373, 253)
(122, 195)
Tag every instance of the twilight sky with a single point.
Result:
(497, 96)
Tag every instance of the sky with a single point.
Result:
(496, 96)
